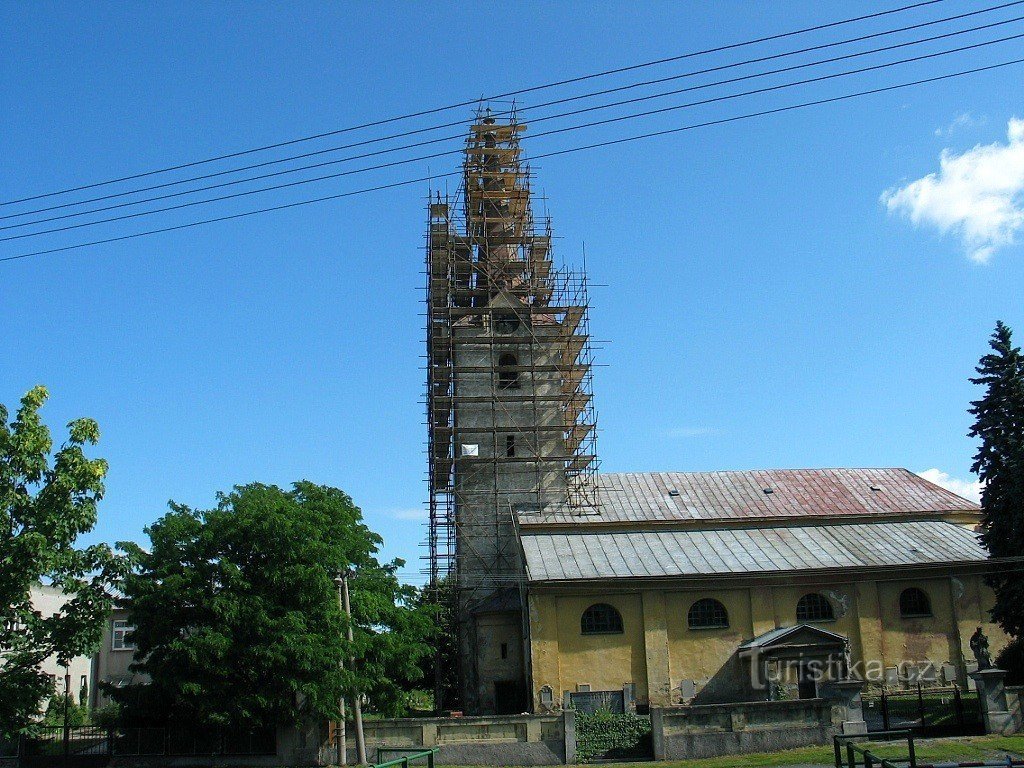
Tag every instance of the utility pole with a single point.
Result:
(67, 724)
(357, 709)
(339, 734)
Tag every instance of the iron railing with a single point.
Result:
(408, 754)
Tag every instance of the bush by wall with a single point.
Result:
(607, 736)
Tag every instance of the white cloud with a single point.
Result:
(963, 120)
(692, 432)
(977, 195)
(969, 489)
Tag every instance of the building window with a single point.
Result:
(707, 614)
(119, 636)
(814, 607)
(914, 603)
(601, 619)
(504, 650)
(506, 323)
(508, 378)
(510, 446)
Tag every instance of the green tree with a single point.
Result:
(237, 618)
(47, 500)
(440, 668)
(61, 705)
(999, 463)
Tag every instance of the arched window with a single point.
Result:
(508, 378)
(914, 602)
(601, 619)
(506, 323)
(814, 607)
(707, 614)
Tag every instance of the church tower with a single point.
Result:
(511, 421)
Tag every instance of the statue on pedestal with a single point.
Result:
(979, 646)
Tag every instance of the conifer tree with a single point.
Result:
(999, 464)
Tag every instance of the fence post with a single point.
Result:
(838, 751)
(911, 750)
(920, 707)
(869, 759)
(430, 759)
(851, 756)
(569, 735)
(885, 710)
(658, 732)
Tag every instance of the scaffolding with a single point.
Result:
(511, 421)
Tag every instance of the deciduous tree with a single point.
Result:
(47, 500)
(237, 618)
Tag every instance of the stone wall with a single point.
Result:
(498, 740)
(724, 729)
(1014, 702)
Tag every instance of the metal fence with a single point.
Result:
(94, 746)
(928, 711)
(589, 702)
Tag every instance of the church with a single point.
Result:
(647, 589)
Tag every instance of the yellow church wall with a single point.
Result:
(698, 654)
(973, 599)
(918, 640)
(786, 598)
(606, 661)
(657, 651)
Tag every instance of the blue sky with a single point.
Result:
(758, 303)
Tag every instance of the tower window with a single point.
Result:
(506, 323)
(504, 650)
(601, 619)
(914, 602)
(508, 378)
(814, 607)
(510, 445)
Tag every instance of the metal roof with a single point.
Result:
(595, 554)
(778, 634)
(759, 494)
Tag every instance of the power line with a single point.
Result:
(470, 102)
(390, 150)
(406, 161)
(457, 123)
(596, 145)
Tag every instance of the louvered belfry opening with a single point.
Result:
(509, 363)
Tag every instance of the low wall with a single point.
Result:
(712, 730)
(1014, 701)
(497, 740)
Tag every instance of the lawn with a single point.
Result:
(965, 749)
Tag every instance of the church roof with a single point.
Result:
(588, 554)
(768, 494)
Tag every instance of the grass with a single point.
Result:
(967, 749)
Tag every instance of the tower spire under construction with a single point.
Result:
(510, 409)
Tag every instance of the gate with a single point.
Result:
(78, 747)
(589, 702)
(926, 711)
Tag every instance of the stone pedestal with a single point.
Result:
(992, 695)
(847, 705)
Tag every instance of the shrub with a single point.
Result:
(1011, 658)
(604, 735)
